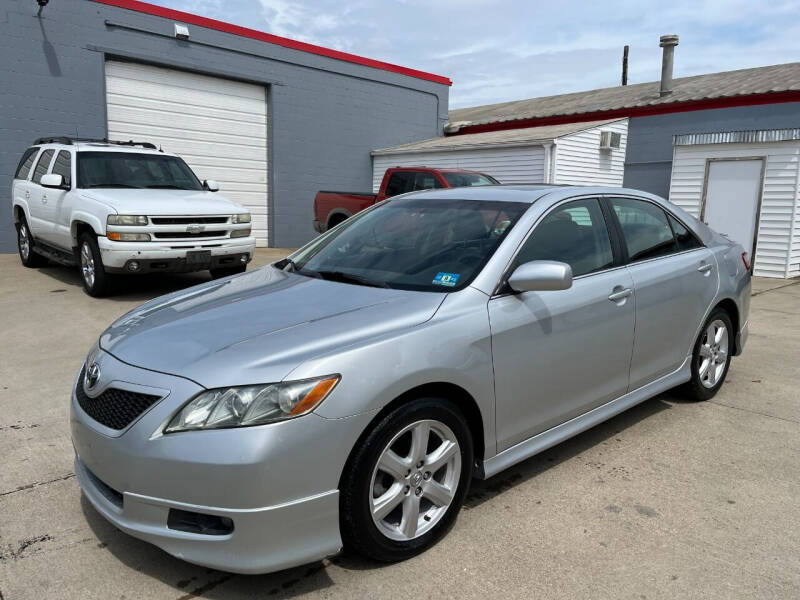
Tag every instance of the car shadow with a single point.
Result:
(195, 581)
(131, 287)
(484, 490)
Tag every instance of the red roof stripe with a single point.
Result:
(192, 19)
(636, 111)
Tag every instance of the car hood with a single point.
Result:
(163, 202)
(259, 326)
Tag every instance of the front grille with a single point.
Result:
(114, 408)
(186, 220)
(172, 235)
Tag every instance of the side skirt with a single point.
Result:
(573, 427)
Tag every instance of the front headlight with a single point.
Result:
(252, 404)
(126, 220)
(240, 218)
(128, 237)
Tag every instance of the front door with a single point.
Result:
(733, 192)
(558, 354)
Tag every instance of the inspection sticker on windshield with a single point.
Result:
(448, 279)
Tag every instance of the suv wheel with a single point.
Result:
(405, 483)
(94, 277)
(27, 254)
(219, 273)
(711, 357)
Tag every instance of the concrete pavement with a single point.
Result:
(670, 499)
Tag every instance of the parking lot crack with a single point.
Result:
(36, 484)
(755, 412)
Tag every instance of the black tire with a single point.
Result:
(25, 247)
(219, 273)
(698, 388)
(98, 284)
(359, 532)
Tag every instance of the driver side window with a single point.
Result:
(574, 233)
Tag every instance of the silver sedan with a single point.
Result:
(346, 395)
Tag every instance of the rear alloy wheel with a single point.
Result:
(27, 254)
(95, 279)
(405, 483)
(711, 357)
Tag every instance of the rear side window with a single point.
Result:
(41, 166)
(399, 183)
(63, 166)
(645, 228)
(25, 163)
(684, 237)
(426, 181)
(574, 233)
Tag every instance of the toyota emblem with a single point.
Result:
(92, 376)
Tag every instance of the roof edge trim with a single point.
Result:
(208, 23)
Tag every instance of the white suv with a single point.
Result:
(123, 207)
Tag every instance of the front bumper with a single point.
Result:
(277, 483)
(162, 257)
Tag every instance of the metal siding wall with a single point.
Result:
(778, 219)
(579, 160)
(326, 115)
(507, 165)
(648, 160)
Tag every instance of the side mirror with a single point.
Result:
(211, 185)
(540, 276)
(53, 180)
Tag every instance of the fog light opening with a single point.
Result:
(193, 522)
(243, 258)
(133, 266)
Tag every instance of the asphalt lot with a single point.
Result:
(667, 500)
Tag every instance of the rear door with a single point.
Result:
(675, 279)
(40, 226)
(558, 354)
(20, 188)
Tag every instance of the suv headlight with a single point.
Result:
(251, 404)
(240, 218)
(126, 220)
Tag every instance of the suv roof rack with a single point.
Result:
(73, 140)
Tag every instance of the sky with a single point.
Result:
(496, 51)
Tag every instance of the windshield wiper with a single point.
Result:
(112, 185)
(350, 278)
(166, 186)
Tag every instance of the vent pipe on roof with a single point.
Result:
(668, 43)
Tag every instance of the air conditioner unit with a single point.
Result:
(610, 140)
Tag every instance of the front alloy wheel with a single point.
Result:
(415, 480)
(405, 480)
(93, 274)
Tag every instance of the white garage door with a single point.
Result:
(218, 126)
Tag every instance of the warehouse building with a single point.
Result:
(272, 120)
(724, 146)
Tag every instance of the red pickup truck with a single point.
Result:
(331, 208)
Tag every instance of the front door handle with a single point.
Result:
(44, 199)
(27, 195)
(705, 267)
(620, 295)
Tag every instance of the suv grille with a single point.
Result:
(186, 220)
(174, 235)
(113, 408)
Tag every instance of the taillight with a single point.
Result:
(746, 261)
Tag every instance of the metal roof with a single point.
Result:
(756, 136)
(530, 136)
(728, 84)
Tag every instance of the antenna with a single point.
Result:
(625, 65)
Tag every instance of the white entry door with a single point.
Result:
(218, 126)
(732, 197)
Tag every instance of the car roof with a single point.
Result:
(528, 193)
(101, 147)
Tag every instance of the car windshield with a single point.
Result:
(429, 244)
(134, 170)
(468, 179)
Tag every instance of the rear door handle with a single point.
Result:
(620, 295)
(44, 199)
(27, 195)
(705, 267)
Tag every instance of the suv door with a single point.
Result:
(558, 354)
(59, 201)
(675, 279)
(37, 199)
